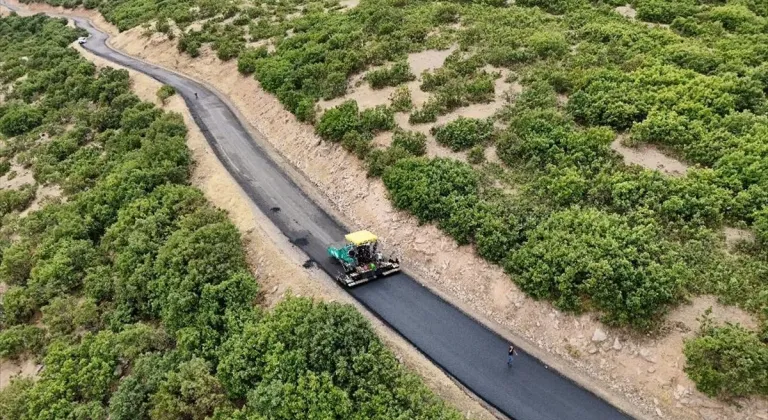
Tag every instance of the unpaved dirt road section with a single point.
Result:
(463, 347)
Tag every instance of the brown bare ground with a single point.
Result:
(10, 369)
(43, 195)
(734, 236)
(483, 290)
(626, 11)
(349, 4)
(20, 176)
(650, 157)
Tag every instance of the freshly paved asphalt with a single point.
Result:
(463, 347)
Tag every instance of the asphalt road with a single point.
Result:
(464, 348)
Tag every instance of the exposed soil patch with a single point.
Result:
(650, 157)
(349, 4)
(10, 369)
(43, 195)
(626, 11)
(268, 43)
(491, 156)
(17, 177)
(735, 236)
(428, 60)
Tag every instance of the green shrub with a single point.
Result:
(246, 62)
(426, 114)
(18, 260)
(227, 49)
(666, 128)
(13, 398)
(425, 187)
(552, 6)
(412, 141)
(463, 133)
(378, 160)
(165, 92)
(446, 14)
(190, 43)
(188, 392)
(476, 154)
(548, 44)
(727, 361)
(735, 18)
(479, 89)
(357, 143)
(63, 316)
(377, 119)
(662, 11)
(305, 110)
(400, 100)
(163, 26)
(337, 121)
(539, 95)
(21, 339)
(20, 119)
(393, 75)
(5, 166)
(16, 200)
(18, 305)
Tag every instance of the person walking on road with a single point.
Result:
(511, 353)
(195, 95)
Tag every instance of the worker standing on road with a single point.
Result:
(511, 355)
(195, 95)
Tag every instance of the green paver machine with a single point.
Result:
(361, 259)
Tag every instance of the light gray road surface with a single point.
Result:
(464, 348)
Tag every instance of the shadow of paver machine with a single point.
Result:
(361, 260)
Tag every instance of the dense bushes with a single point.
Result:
(19, 120)
(627, 272)
(463, 133)
(339, 120)
(246, 63)
(727, 361)
(390, 76)
(424, 187)
(345, 118)
(414, 142)
(20, 339)
(661, 11)
(278, 366)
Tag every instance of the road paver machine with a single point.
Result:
(361, 259)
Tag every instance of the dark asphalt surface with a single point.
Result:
(464, 348)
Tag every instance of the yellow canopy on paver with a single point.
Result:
(361, 237)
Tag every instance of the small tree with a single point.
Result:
(165, 92)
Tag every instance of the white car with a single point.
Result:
(82, 40)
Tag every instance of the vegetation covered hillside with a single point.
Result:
(132, 290)
(561, 211)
